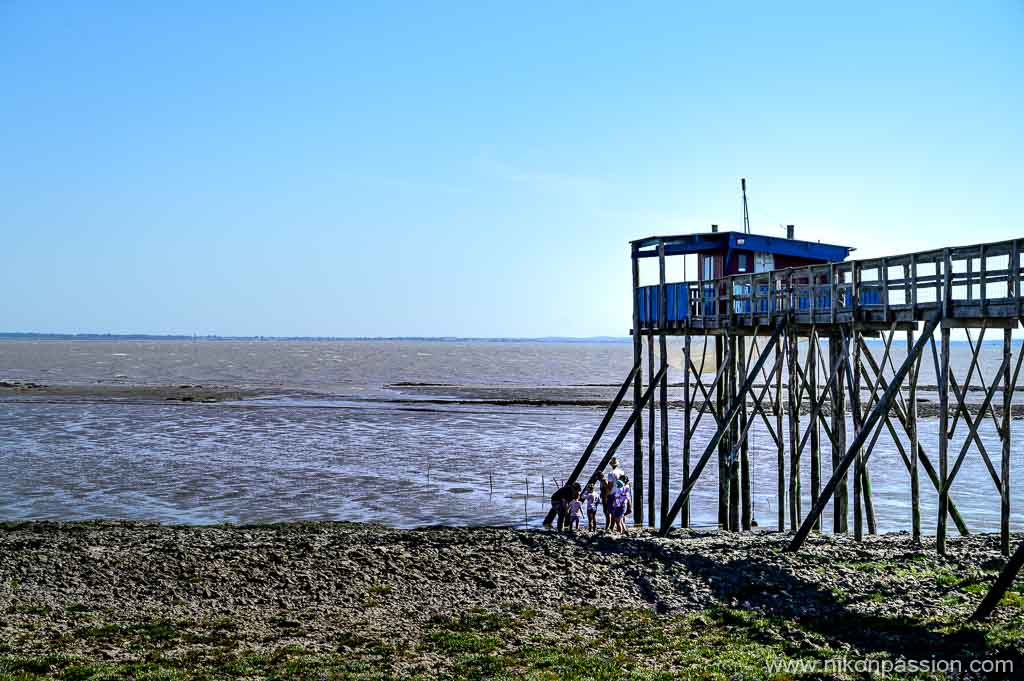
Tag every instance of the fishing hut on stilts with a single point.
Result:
(758, 299)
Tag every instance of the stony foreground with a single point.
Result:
(120, 600)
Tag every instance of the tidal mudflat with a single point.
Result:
(333, 600)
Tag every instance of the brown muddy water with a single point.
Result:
(404, 433)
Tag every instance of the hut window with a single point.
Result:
(742, 265)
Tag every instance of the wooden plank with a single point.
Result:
(663, 399)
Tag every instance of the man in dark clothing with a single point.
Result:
(560, 501)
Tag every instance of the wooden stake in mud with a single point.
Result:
(812, 376)
(650, 434)
(940, 538)
(780, 441)
(915, 484)
(638, 389)
(723, 474)
(794, 434)
(744, 472)
(837, 356)
(684, 515)
(1004, 478)
(663, 349)
(731, 461)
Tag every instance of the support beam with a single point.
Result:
(663, 397)
(720, 397)
(744, 472)
(638, 388)
(794, 433)
(838, 352)
(880, 408)
(780, 445)
(1004, 489)
(915, 484)
(943, 377)
(815, 431)
(650, 435)
(684, 516)
(1001, 585)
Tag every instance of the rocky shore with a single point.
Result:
(325, 600)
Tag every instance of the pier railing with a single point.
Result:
(979, 281)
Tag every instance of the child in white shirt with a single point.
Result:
(593, 500)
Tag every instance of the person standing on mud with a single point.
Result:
(560, 502)
(606, 493)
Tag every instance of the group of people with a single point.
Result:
(614, 497)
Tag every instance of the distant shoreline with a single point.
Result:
(15, 335)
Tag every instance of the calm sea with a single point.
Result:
(400, 432)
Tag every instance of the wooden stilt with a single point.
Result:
(940, 532)
(1004, 516)
(723, 474)
(638, 389)
(915, 485)
(794, 434)
(1001, 585)
(650, 436)
(780, 444)
(838, 355)
(745, 495)
(731, 460)
(815, 431)
(663, 397)
(684, 515)
(858, 465)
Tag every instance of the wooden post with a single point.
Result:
(794, 433)
(650, 434)
(836, 351)
(915, 485)
(684, 516)
(723, 475)
(940, 539)
(663, 398)
(780, 442)
(812, 379)
(744, 472)
(731, 462)
(1004, 518)
(858, 466)
(1001, 585)
(638, 389)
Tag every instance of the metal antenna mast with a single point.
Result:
(746, 215)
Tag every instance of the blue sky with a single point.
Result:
(472, 168)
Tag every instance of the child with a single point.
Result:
(575, 506)
(593, 501)
(618, 507)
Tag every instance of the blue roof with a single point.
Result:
(720, 241)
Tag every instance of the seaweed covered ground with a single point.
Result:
(328, 600)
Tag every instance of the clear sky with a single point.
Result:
(477, 168)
